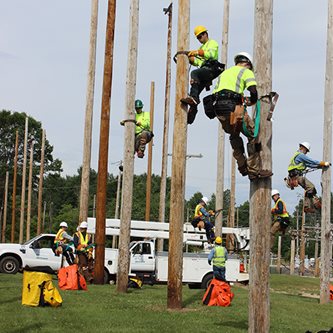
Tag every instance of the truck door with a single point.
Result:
(142, 257)
(40, 253)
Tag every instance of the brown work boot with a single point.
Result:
(309, 210)
(317, 203)
(243, 170)
(140, 154)
(189, 100)
(191, 114)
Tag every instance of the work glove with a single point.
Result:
(211, 212)
(196, 53)
(324, 164)
(209, 262)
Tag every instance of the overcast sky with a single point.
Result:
(44, 60)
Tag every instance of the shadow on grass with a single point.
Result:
(192, 299)
(28, 328)
(239, 325)
(11, 300)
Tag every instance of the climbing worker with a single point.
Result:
(62, 243)
(218, 255)
(202, 219)
(205, 58)
(84, 249)
(227, 103)
(280, 216)
(143, 134)
(296, 176)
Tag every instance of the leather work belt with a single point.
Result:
(229, 95)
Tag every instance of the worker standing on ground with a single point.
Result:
(61, 244)
(84, 249)
(202, 219)
(218, 255)
(280, 216)
(143, 134)
(205, 58)
(227, 103)
(296, 176)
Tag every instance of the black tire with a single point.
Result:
(206, 280)
(9, 265)
(194, 285)
(106, 277)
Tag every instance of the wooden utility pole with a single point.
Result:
(164, 168)
(260, 190)
(175, 262)
(24, 171)
(326, 246)
(43, 222)
(302, 245)
(4, 222)
(85, 175)
(231, 219)
(150, 152)
(104, 145)
(278, 264)
(30, 189)
(116, 212)
(292, 256)
(127, 192)
(12, 237)
(316, 270)
(221, 135)
(40, 185)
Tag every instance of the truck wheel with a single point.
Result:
(106, 277)
(206, 280)
(194, 285)
(9, 265)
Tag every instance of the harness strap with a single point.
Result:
(256, 122)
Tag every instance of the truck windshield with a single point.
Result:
(31, 240)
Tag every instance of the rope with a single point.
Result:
(256, 122)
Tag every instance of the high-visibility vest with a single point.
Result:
(83, 240)
(197, 210)
(294, 166)
(236, 79)
(58, 237)
(211, 52)
(144, 119)
(219, 256)
(284, 211)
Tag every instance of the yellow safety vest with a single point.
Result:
(219, 257)
(211, 52)
(144, 119)
(294, 166)
(284, 211)
(83, 240)
(58, 237)
(197, 211)
(236, 79)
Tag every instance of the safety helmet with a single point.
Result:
(218, 240)
(243, 57)
(274, 192)
(138, 104)
(204, 199)
(84, 225)
(305, 145)
(63, 224)
(199, 29)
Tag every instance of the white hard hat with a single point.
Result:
(306, 145)
(204, 199)
(63, 224)
(243, 56)
(274, 192)
(84, 225)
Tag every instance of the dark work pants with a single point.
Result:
(200, 78)
(219, 272)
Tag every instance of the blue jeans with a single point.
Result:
(219, 273)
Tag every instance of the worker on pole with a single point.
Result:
(202, 219)
(205, 58)
(227, 103)
(143, 134)
(61, 243)
(298, 167)
(280, 216)
(218, 255)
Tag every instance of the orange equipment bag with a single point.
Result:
(69, 278)
(218, 293)
(331, 292)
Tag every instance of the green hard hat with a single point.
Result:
(138, 104)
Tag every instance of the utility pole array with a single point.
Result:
(40, 185)
(30, 189)
(4, 222)
(104, 145)
(12, 237)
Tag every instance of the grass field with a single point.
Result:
(101, 309)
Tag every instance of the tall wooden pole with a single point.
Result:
(30, 190)
(85, 176)
(4, 222)
(12, 238)
(40, 185)
(104, 145)
(175, 262)
(278, 264)
(150, 152)
(127, 192)
(292, 256)
(260, 197)
(302, 245)
(164, 168)
(116, 212)
(316, 270)
(221, 136)
(231, 219)
(326, 246)
(23, 181)
(43, 221)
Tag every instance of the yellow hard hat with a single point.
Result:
(199, 29)
(218, 240)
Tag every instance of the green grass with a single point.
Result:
(102, 309)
